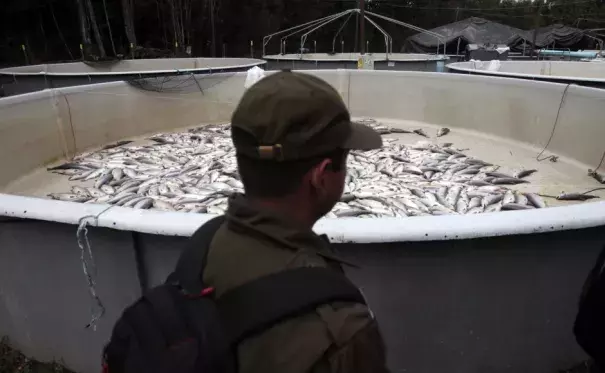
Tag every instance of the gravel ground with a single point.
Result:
(13, 361)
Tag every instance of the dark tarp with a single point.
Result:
(558, 36)
(469, 31)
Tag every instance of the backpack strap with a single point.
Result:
(593, 276)
(191, 263)
(276, 297)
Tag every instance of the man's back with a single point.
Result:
(337, 337)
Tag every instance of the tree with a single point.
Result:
(127, 12)
(84, 32)
(113, 46)
(95, 28)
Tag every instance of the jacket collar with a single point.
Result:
(242, 215)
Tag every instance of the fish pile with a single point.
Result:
(195, 171)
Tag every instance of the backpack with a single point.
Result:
(181, 327)
(589, 327)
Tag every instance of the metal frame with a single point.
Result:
(318, 24)
(439, 37)
(339, 31)
(312, 26)
(267, 38)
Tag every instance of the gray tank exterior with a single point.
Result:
(481, 293)
(395, 62)
(584, 73)
(498, 304)
(24, 79)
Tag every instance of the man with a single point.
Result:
(292, 133)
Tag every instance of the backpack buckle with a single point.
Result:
(204, 293)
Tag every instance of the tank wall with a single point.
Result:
(460, 306)
(45, 303)
(30, 134)
(54, 124)
(60, 123)
(513, 109)
(134, 65)
(548, 68)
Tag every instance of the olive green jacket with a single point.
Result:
(339, 337)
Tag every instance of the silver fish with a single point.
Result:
(443, 131)
(69, 197)
(509, 197)
(535, 200)
(523, 173)
(103, 180)
(516, 206)
(420, 132)
(575, 197)
(508, 181)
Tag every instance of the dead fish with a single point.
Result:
(475, 210)
(515, 206)
(508, 181)
(69, 166)
(103, 180)
(523, 173)
(521, 199)
(80, 191)
(117, 144)
(575, 197)
(117, 174)
(130, 172)
(420, 132)
(94, 192)
(535, 200)
(478, 183)
(509, 197)
(499, 175)
(70, 197)
(351, 213)
(399, 130)
(492, 199)
(493, 208)
(443, 131)
(107, 189)
(597, 176)
(475, 202)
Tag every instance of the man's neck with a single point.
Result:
(287, 206)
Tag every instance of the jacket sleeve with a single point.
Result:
(364, 352)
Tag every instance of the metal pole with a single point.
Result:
(536, 25)
(362, 29)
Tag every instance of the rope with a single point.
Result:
(600, 163)
(552, 157)
(89, 267)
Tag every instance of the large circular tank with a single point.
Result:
(491, 292)
(22, 79)
(587, 73)
(382, 61)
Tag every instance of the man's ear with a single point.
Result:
(319, 171)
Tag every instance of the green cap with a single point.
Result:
(292, 116)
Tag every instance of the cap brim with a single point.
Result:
(362, 137)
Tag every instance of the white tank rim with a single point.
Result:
(353, 57)
(251, 62)
(340, 230)
(565, 79)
